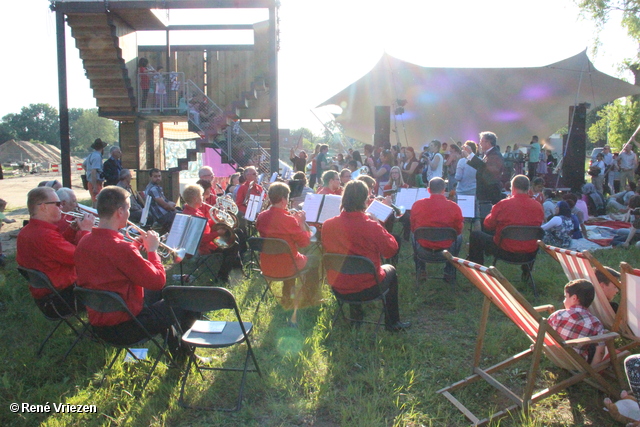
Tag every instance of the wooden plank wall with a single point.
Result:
(128, 43)
(191, 63)
(230, 73)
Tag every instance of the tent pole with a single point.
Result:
(65, 146)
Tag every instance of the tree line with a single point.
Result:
(40, 123)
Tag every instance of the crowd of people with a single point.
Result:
(70, 249)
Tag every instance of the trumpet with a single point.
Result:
(163, 250)
(79, 216)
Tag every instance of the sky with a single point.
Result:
(325, 45)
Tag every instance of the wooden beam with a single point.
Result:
(210, 27)
(209, 47)
(114, 5)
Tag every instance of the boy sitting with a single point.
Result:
(575, 321)
(610, 290)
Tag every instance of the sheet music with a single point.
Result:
(330, 207)
(193, 234)
(311, 207)
(273, 177)
(406, 197)
(467, 205)
(253, 206)
(379, 210)
(177, 230)
(423, 193)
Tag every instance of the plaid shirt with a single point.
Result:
(576, 322)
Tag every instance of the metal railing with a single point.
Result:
(161, 93)
(234, 141)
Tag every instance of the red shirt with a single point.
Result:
(436, 211)
(242, 194)
(64, 227)
(280, 224)
(206, 243)
(519, 209)
(211, 201)
(40, 246)
(327, 190)
(354, 233)
(108, 263)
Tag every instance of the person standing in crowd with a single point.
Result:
(313, 176)
(322, 164)
(628, 162)
(112, 166)
(534, 156)
(299, 161)
(410, 167)
(597, 171)
(465, 174)
(93, 167)
(436, 162)
(488, 169)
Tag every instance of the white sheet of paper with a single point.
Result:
(379, 210)
(253, 207)
(140, 353)
(193, 235)
(633, 303)
(330, 207)
(406, 197)
(208, 326)
(423, 193)
(177, 230)
(467, 206)
(311, 207)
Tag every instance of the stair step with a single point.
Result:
(106, 83)
(114, 92)
(90, 20)
(192, 154)
(100, 54)
(241, 104)
(93, 31)
(106, 74)
(106, 63)
(119, 103)
(96, 43)
(250, 94)
(259, 85)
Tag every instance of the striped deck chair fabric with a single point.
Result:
(630, 300)
(497, 290)
(582, 265)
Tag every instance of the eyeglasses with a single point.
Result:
(58, 203)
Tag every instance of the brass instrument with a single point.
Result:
(227, 203)
(364, 170)
(219, 215)
(226, 236)
(163, 250)
(79, 216)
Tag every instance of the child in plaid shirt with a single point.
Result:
(575, 321)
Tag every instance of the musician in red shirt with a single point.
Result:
(519, 209)
(248, 188)
(206, 174)
(68, 225)
(124, 271)
(354, 233)
(41, 246)
(437, 211)
(330, 183)
(276, 222)
(192, 196)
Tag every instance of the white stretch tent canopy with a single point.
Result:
(458, 103)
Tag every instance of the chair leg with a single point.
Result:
(39, 352)
(533, 283)
(183, 383)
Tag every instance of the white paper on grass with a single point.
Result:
(208, 326)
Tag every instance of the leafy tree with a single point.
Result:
(37, 121)
(7, 133)
(616, 123)
(90, 126)
(600, 11)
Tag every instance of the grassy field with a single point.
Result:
(310, 377)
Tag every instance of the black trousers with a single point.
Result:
(392, 314)
(55, 307)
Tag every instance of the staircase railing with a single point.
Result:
(213, 124)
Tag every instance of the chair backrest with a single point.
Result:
(435, 234)
(522, 233)
(102, 301)
(506, 297)
(582, 265)
(145, 211)
(630, 299)
(36, 279)
(199, 299)
(269, 246)
(349, 264)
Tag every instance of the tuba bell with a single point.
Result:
(363, 170)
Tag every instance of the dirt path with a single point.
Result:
(14, 190)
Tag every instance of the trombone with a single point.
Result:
(163, 250)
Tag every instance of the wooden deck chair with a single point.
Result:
(582, 265)
(497, 290)
(629, 311)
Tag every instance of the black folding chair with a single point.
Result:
(431, 256)
(111, 302)
(521, 233)
(354, 265)
(270, 246)
(39, 280)
(203, 300)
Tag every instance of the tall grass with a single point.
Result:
(314, 374)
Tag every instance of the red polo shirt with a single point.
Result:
(108, 263)
(519, 209)
(436, 211)
(327, 190)
(280, 224)
(40, 246)
(206, 243)
(354, 233)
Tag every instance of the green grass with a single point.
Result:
(310, 377)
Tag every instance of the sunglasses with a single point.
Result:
(58, 203)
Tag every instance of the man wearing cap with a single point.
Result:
(93, 167)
